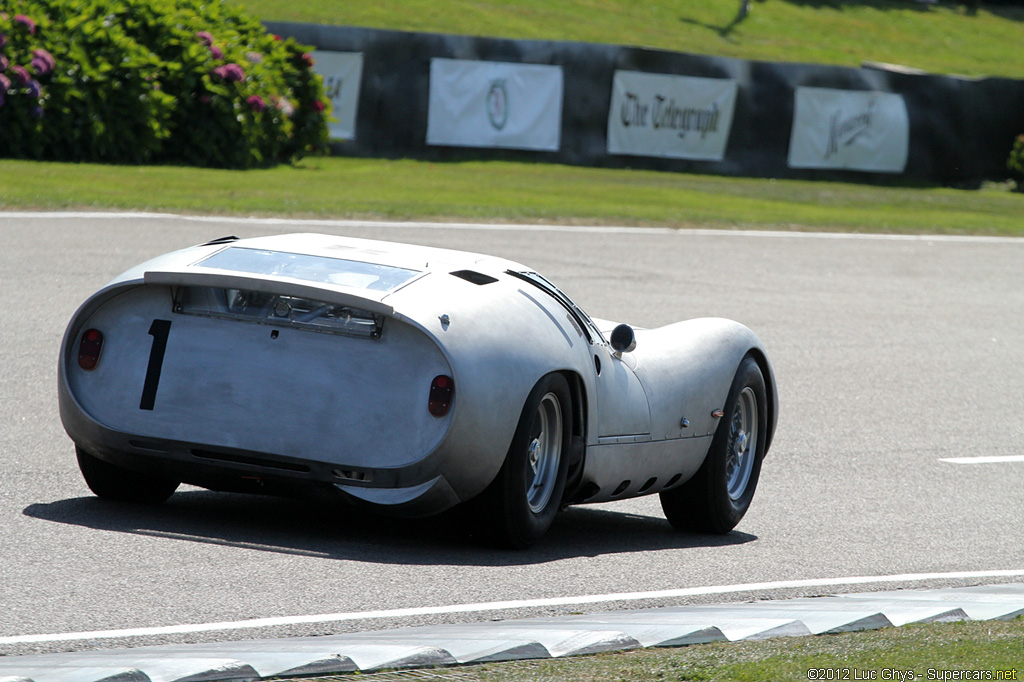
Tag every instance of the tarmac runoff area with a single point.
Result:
(533, 638)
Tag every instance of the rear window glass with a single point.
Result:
(349, 273)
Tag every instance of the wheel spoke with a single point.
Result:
(743, 437)
(545, 453)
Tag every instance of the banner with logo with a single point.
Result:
(672, 116)
(849, 129)
(495, 104)
(342, 73)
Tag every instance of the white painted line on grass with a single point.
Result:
(604, 229)
(505, 605)
(984, 460)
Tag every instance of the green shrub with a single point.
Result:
(1016, 162)
(190, 81)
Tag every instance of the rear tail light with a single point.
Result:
(442, 388)
(89, 349)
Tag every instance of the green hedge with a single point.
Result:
(1016, 162)
(140, 81)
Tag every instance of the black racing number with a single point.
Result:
(159, 330)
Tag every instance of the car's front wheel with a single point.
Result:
(117, 483)
(719, 494)
(522, 502)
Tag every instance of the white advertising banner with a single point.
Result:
(342, 73)
(849, 129)
(494, 104)
(672, 116)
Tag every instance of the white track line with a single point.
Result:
(506, 605)
(984, 460)
(350, 224)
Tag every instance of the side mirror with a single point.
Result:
(623, 339)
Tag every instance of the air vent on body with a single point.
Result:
(474, 277)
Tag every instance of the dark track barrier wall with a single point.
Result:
(961, 130)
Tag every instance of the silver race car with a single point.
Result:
(409, 379)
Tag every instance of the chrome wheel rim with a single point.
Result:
(544, 453)
(742, 444)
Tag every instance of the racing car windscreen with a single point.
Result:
(350, 273)
(277, 309)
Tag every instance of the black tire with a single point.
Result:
(719, 494)
(117, 483)
(522, 501)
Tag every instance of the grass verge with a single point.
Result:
(510, 192)
(993, 650)
(944, 37)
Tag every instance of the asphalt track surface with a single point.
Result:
(893, 355)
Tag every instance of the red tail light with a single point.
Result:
(89, 349)
(442, 388)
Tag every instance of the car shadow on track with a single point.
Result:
(334, 531)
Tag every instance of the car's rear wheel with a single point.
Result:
(719, 494)
(523, 500)
(117, 483)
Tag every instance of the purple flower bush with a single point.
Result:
(180, 81)
(245, 89)
(229, 73)
(256, 103)
(43, 62)
(21, 75)
(23, 67)
(25, 23)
